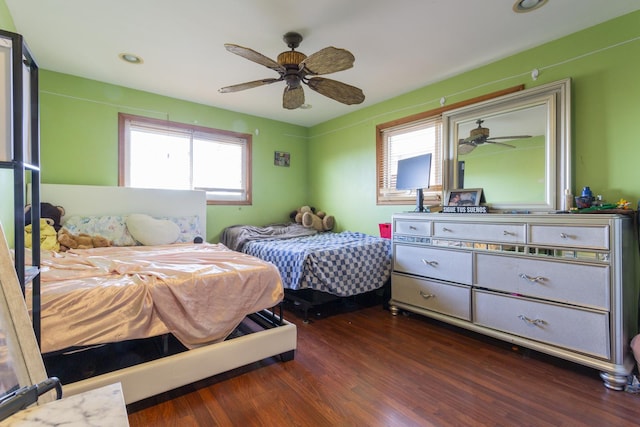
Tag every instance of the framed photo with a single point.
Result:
(280, 158)
(464, 197)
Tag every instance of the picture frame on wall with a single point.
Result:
(281, 158)
(464, 197)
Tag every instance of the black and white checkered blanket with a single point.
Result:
(342, 264)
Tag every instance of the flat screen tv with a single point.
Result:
(414, 174)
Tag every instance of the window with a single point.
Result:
(162, 154)
(404, 140)
(412, 136)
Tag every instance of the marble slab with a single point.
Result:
(101, 407)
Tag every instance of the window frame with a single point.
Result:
(434, 195)
(124, 118)
(386, 195)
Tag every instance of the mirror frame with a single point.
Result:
(558, 172)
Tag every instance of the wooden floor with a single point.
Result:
(368, 368)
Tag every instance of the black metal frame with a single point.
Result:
(20, 57)
(306, 299)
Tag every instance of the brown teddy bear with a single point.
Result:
(308, 217)
(81, 241)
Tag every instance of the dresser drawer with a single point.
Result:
(450, 299)
(585, 331)
(500, 233)
(413, 228)
(579, 284)
(450, 265)
(591, 237)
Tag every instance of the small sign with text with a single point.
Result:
(465, 209)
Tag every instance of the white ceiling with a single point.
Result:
(399, 45)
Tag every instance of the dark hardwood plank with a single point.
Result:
(369, 368)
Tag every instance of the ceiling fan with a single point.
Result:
(295, 68)
(479, 136)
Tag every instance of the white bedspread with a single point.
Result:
(198, 292)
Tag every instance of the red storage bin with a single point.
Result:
(385, 230)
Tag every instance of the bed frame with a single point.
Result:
(157, 376)
(312, 299)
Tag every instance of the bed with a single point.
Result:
(199, 293)
(317, 267)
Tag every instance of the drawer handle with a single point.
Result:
(532, 279)
(426, 296)
(411, 227)
(531, 322)
(430, 263)
(508, 233)
(445, 229)
(565, 236)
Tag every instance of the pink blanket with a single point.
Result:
(198, 292)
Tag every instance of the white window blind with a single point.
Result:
(404, 141)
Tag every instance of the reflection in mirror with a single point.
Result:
(515, 143)
(516, 148)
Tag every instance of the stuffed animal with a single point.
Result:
(53, 214)
(81, 241)
(308, 217)
(48, 236)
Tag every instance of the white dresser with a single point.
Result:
(562, 284)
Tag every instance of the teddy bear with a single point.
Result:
(80, 241)
(308, 217)
(53, 214)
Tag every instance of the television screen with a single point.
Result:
(414, 172)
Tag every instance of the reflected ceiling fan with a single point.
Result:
(479, 136)
(295, 68)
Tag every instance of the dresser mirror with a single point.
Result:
(517, 148)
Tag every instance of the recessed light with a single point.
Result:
(305, 106)
(130, 58)
(523, 6)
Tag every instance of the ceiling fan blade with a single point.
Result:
(465, 147)
(256, 57)
(509, 137)
(339, 91)
(500, 143)
(328, 60)
(247, 85)
(292, 98)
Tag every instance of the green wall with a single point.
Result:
(603, 62)
(79, 130)
(525, 165)
(6, 21)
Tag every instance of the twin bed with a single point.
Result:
(200, 293)
(220, 301)
(317, 267)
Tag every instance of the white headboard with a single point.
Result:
(101, 200)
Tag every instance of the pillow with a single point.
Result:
(150, 231)
(189, 227)
(111, 227)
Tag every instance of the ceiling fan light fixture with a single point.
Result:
(291, 57)
(294, 68)
(524, 6)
